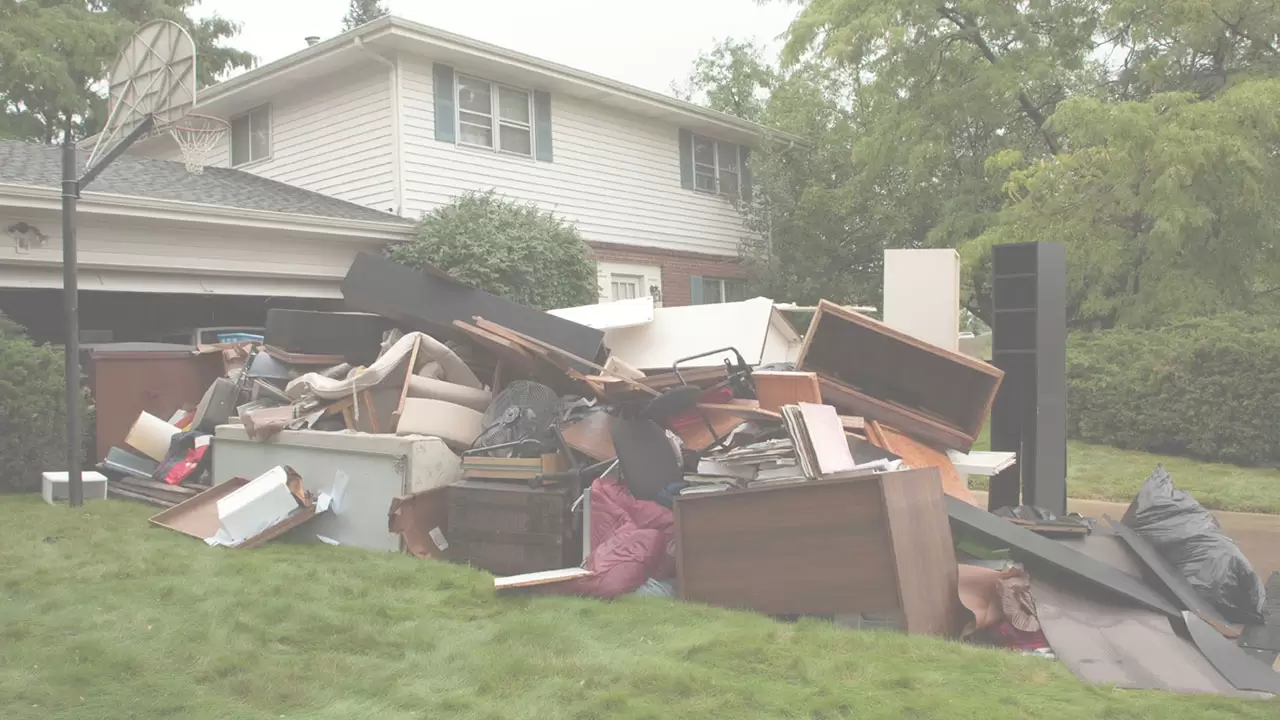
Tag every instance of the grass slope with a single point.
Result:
(1099, 472)
(116, 619)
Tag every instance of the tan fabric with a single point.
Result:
(432, 389)
(458, 426)
(993, 596)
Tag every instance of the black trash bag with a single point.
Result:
(1190, 539)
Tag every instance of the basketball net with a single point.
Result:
(197, 136)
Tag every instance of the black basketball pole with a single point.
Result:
(71, 309)
(71, 187)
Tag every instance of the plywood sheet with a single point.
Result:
(775, 389)
(1104, 642)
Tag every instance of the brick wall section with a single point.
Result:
(677, 267)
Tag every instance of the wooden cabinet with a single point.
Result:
(879, 544)
(511, 529)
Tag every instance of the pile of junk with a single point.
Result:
(717, 454)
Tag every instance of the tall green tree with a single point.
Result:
(361, 12)
(1136, 131)
(55, 55)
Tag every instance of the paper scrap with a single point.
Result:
(203, 440)
(340, 481)
(437, 537)
(327, 540)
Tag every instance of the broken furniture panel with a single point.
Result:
(1029, 343)
(510, 529)
(356, 337)
(610, 315)
(867, 368)
(874, 544)
(431, 302)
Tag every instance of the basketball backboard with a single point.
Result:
(154, 77)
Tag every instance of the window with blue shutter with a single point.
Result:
(446, 115)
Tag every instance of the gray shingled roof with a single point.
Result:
(24, 163)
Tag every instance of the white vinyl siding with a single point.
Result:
(615, 174)
(332, 136)
(137, 254)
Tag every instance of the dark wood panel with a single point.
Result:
(825, 547)
(851, 402)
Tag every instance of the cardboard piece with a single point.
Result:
(150, 436)
(421, 522)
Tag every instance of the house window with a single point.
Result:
(716, 166)
(722, 290)
(494, 116)
(251, 136)
(626, 287)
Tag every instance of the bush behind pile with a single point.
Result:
(32, 410)
(1207, 389)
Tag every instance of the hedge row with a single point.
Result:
(1207, 389)
(32, 410)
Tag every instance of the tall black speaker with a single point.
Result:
(1029, 342)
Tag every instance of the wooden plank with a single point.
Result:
(546, 577)
(505, 350)
(303, 359)
(1045, 554)
(1173, 580)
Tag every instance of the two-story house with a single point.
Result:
(401, 117)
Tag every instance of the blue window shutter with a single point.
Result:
(686, 159)
(542, 125)
(744, 161)
(695, 288)
(446, 118)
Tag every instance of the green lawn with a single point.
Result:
(1098, 472)
(102, 616)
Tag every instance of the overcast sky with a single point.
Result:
(648, 43)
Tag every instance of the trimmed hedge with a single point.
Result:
(1206, 389)
(32, 410)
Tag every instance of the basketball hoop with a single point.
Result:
(197, 136)
(154, 78)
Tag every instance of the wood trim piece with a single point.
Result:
(404, 388)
